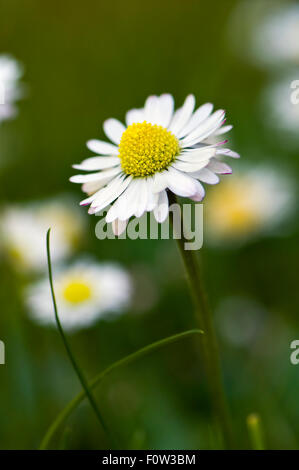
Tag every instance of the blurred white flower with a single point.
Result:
(10, 88)
(158, 149)
(84, 292)
(275, 39)
(282, 111)
(266, 33)
(23, 232)
(247, 204)
(240, 320)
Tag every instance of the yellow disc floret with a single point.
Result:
(146, 149)
(76, 292)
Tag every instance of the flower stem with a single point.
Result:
(204, 321)
(68, 349)
(255, 431)
(72, 405)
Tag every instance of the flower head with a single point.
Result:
(10, 90)
(84, 292)
(157, 150)
(248, 203)
(23, 230)
(276, 37)
(282, 113)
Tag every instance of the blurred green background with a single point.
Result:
(85, 62)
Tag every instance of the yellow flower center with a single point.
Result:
(76, 292)
(146, 149)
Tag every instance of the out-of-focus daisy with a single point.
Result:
(158, 149)
(10, 89)
(270, 34)
(247, 204)
(84, 292)
(23, 230)
(282, 112)
(275, 39)
(241, 321)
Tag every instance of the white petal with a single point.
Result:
(223, 130)
(202, 113)
(182, 115)
(205, 129)
(219, 167)
(102, 180)
(166, 105)
(114, 130)
(135, 115)
(101, 147)
(180, 184)
(228, 153)
(112, 191)
(152, 196)
(200, 193)
(119, 226)
(159, 181)
(112, 213)
(198, 155)
(161, 210)
(99, 176)
(207, 176)
(97, 163)
(85, 178)
(126, 204)
(142, 197)
(151, 109)
(187, 167)
(92, 186)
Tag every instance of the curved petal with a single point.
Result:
(112, 191)
(182, 115)
(205, 129)
(207, 176)
(166, 105)
(202, 113)
(228, 153)
(198, 155)
(97, 163)
(180, 183)
(217, 166)
(162, 207)
(187, 167)
(119, 226)
(159, 182)
(223, 130)
(102, 148)
(151, 109)
(114, 130)
(135, 115)
(142, 197)
(200, 193)
(152, 196)
(104, 177)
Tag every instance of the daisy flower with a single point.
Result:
(85, 291)
(10, 90)
(249, 203)
(23, 229)
(281, 113)
(159, 149)
(276, 37)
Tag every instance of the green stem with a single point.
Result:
(205, 322)
(67, 346)
(72, 405)
(255, 431)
